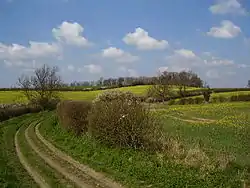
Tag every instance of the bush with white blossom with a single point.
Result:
(120, 119)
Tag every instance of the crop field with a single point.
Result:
(219, 128)
(17, 96)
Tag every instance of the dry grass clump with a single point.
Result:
(73, 115)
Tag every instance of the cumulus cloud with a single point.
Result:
(119, 55)
(219, 62)
(93, 69)
(227, 30)
(70, 33)
(163, 69)
(34, 50)
(212, 74)
(128, 72)
(141, 39)
(227, 7)
(185, 60)
(71, 68)
(243, 66)
(90, 68)
(185, 53)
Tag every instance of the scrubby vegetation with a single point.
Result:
(124, 122)
(73, 115)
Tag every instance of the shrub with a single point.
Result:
(7, 113)
(207, 94)
(198, 100)
(73, 115)
(171, 102)
(220, 99)
(119, 119)
(240, 98)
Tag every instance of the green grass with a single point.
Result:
(141, 169)
(17, 96)
(51, 176)
(12, 173)
(230, 133)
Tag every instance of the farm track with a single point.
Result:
(75, 173)
(193, 119)
(34, 174)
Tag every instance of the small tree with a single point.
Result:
(207, 93)
(42, 87)
(162, 87)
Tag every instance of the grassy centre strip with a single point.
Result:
(50, 176)
(65, 168)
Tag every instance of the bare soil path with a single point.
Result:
(73, 172)
(38, 179)
(101, 179)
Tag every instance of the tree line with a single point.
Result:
(186, 79)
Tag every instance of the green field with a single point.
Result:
(17, 96)
(220, 131)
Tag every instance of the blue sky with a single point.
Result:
(92, 39)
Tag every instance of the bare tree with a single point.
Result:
(162, 89)
(42, 87)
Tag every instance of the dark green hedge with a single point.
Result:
(8, 113)
(216, 99)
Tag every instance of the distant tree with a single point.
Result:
(42, 87)
(207, 93)
(162, 87)
(248, 84)
(120, 81)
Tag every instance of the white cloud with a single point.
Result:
(128, 72)
(185, 53)
(227, 7)
(207, 53)
(226, 30)
(26, 65)
(242, 66)
(119, 55)
(183, 59)
(132, 73)
(218, 62)
(141, 39)
(93, 69)
(71, 68)
(34, 50)
(163, 69)
(203, 64)
(70, 33)
(212, 74)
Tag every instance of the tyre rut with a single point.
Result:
(34, 174)
(73, 177)
(99, 177)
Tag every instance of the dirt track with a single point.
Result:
(80, 175)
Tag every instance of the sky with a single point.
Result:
(110, 38)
